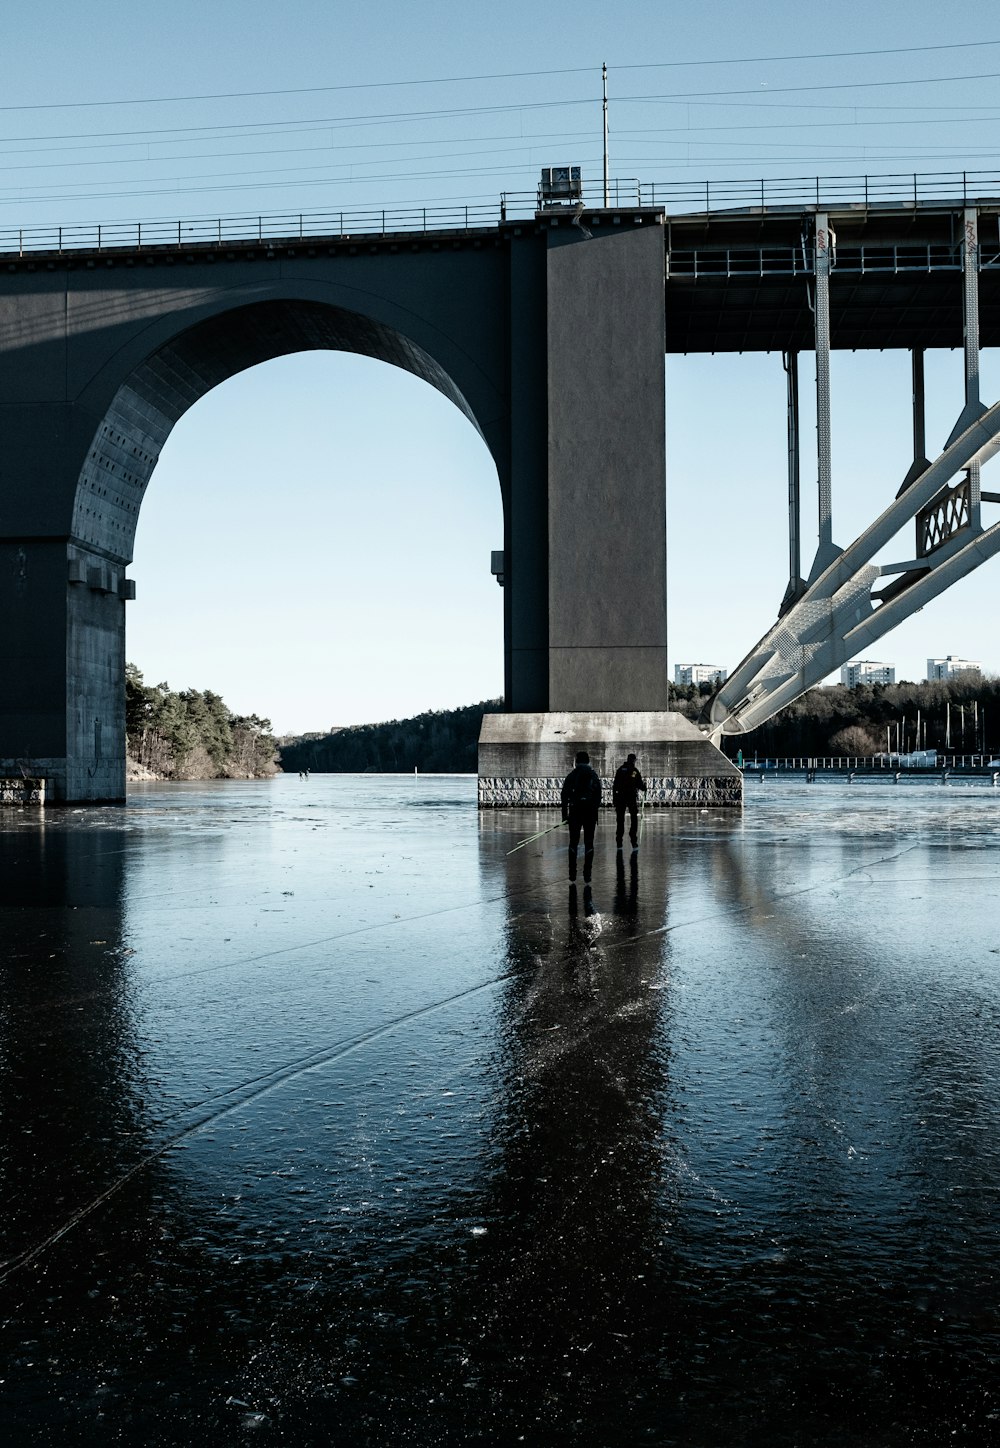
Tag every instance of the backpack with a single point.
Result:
(584, 787)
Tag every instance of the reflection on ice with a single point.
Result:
(323, 1117)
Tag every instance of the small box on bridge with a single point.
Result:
(559, 185)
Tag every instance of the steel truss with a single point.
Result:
(839, 613)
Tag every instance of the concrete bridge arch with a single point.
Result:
(101, 355)
(155, 395)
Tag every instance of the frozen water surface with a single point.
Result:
(325, 1120)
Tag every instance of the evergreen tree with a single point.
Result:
(191, 734)
(443, 741)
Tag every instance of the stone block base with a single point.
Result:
(66, 780)
(22, 791)
(524, 758)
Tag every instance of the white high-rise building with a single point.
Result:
(699, 674)
(948, 667)
(867, 671)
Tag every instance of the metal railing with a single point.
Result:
(278, 228)
(270, 229)
(864, 259)
(824, 193)
(876, 763)
(676, 198)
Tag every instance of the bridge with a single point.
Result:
(548, 327)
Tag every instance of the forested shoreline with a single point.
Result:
(442, 741)
(190, 734)
(957, 716)
(961, 715)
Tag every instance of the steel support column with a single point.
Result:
(920, 462)
(970, 301)
(796, 583)
(825, 241)
(974, 407)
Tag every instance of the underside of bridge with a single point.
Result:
(549, 341)
(550, 335)
(745, 283)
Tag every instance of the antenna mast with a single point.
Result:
(604, 79)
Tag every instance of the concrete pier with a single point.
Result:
(524, 758)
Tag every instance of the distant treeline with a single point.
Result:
(192, 735)
(443, 741)
(961, 715)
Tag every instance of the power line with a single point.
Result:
(799, 126)
(254, 131)
(763, 105)
(471, 200)
(783, 90)
(376, 119)
(535, 138)
(807, 55)
(251, 179)
(702, 163)
(526, 145)
(522, 143)
(391, 118)
(301, 90)
(497, 75)
(776, 151)
(192, 190)
(400, 117)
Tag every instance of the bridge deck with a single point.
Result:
(742, 283)
(736, 281)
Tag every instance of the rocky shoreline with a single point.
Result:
(136, 773)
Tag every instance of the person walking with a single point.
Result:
(581, 800)
(625, 790)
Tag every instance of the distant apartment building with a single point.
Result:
(867, 671)
(699, 674)
(948, 667)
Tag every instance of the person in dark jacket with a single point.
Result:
(581, 799)
(625, 789)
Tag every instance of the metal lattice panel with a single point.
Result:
(949, 512)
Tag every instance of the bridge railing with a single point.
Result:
(676, 198)
(889, 764)
(243, 229)
(864, 259)
(857, 193)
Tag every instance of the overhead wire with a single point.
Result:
(525, 142)
(400, 164)
(447, 113)
(534, 138)
(238, 130)
(236, 155)
(365, 119)
(192, 190)
(501, 75)
(471, 199)
(679, 97)
(799, 126)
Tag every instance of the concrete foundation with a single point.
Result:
(524, 758)
(16, 790)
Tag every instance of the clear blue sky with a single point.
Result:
(334, 517)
